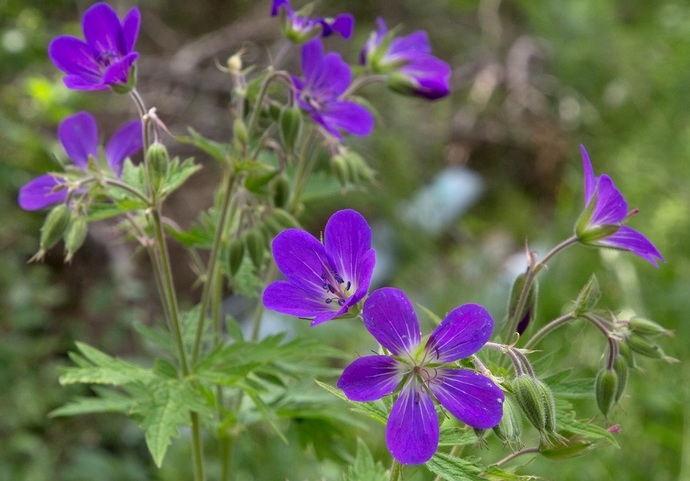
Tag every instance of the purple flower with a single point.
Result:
(326, 78)
(106, 58)
(78, 135)
(600, 224)
(323, 280)
(299, 28)
(422, 374)
(408, 62)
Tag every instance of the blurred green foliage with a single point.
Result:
(612, 75)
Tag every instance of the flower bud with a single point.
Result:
(606, 387)
(234, 63)
(235, 255)
(537, 403)
(509, 430)
(340, 169)
(254, 243)
(290, 126)
(157, 162)
(281, 191)
(240, 133)
(75, 237)
(647, 328)
(627, 354)
(54, 226)
(620, 365)
(644, 347)
(527, 312)
(284, 218)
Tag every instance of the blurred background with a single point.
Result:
(462, 184)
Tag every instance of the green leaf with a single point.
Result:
(108, 402)
(217, 150)
(96, 367)
(178, 173)
(370, 409)
(113, 209)
(167, 408)
(454, 469)
(364, 468)
(455, 436)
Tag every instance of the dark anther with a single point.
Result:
(328, 300)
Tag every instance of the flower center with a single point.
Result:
(335, 286)
(106, 58)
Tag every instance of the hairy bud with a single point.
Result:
(290, 126)
(537, 403)
(75, 237)
(647, 328)
(54, 227)
(606, 388)
(509, 430)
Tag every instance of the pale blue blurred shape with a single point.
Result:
(435, 207)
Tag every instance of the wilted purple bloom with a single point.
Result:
(106, 58)
(605, 210)
(422, 374)
(300, 28)
(323, 280)
(408, 62)
(326, 78)
(78, 135)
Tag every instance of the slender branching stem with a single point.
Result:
(548, 328)
(516, 454)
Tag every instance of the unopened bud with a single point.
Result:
(254, 243)
(526, 314)
(157, 162)
(54, 226)
(645, 347)
(240, 133)
(509, 429)
(606, 387)
(290, 126)
(620, 365)
(235, 255)
(537, 403)
(647, 328)
(281, 192)
(340, 169)
(75, 237)
(284, 218)
(234, 63)
(627, 354)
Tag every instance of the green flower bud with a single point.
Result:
(235, 255)
(75, 237)
(527, 312)
(627, 354)
(340, 169)
(644, 347)
(157, 162)
(54, 227)
(254, 243)
(606, 387)
(509, 430)
(290, 126)
(620, 365)
(284, 218)
(537, 404)
(647, 328)
(281, 192)
(240, 133)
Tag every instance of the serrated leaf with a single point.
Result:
(113, 209)
(167, 407)
(364, 468)
(178, 173)
(217, 150)
(96, 367)
(456, 437)
(90, 405)
(454, 469)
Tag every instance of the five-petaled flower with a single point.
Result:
(106, 58)
(408, 62)
(78, 135)
(600, 224)
(299, 28)
(421, 373)
(323, 281)
(326, 78)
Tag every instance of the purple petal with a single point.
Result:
(130, 28)
(77, 82)
(365, 271)
(103, 31)
(414, 43)
(39, 193)
(279, 3)
(370, 378)
(462, 333)
(390, 318)
(312, 57)
(412, 431)
(73, 56)
(119, 71)
(590, 180)
(347, 116)
(343, 24)
(629, 239)
(431, 74)
(79, 136)
(124, 143)
(287, 298)
(347, 238)
(330, 78)
(610, 207)
(472, 398)
(302, 259)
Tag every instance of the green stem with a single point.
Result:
(548, 328)
(396, 471)
(212, 268)
(259, 311)
(521, 452)
(270, 77)
(363, 81)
